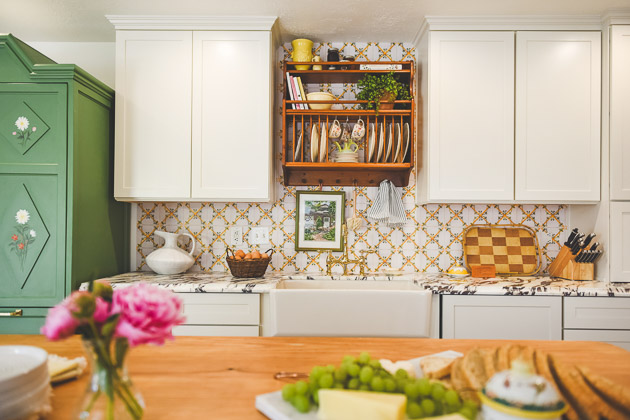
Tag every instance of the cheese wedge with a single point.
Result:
(338, 404)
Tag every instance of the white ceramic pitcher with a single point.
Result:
(170, 259)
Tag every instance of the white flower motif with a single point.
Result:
(22, 217)
(22, 123)
(32, 233)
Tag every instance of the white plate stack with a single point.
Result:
(24, 382)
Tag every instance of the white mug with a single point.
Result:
(359, 130)
(335, 129)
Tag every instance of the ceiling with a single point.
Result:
(330, 20)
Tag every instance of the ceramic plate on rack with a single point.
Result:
(323, 143)
(381, 144)
(405, 140)
(388, 149)
(371, 143)
(398, 143)
(314, 143)
(298, 146)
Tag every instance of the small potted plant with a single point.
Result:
(381, 90)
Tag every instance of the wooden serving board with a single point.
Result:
(511, 249)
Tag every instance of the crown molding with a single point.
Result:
(190, 22)
(510, 23)
(616, 17)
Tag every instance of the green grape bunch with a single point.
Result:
(425, 398)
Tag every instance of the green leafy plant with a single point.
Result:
(377, 88)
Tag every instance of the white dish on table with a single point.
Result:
(275, 408)
(24, 381)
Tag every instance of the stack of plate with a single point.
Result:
(24, 382)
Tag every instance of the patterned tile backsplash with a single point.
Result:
(430, 240)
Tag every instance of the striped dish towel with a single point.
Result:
(388, 206)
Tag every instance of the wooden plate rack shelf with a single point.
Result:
(297, 165)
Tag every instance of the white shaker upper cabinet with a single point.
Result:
(470, 116)
(558, 116)
(619, 241)
(231, 120)
(153, 104)
(620, 112)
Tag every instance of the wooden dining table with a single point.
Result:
(219, 377)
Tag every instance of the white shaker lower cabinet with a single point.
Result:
(619, 241)
(558, 102)
(220, 314)
(502, 317)
(619, 111)
(470, 117)
(604, 319)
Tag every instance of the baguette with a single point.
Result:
(435, 367)
(614, 394)
(474, 370)
(586, 403)
(502, 361)
(460, 384)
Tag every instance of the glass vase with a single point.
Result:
(110, 394)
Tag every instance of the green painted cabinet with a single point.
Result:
(59, 222)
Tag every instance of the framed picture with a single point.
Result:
(319, 220)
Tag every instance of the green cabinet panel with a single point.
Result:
(29, 322)
(59, 223)
(33, 123)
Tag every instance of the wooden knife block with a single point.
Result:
(564, 266)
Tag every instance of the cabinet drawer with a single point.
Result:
(221, 308)
(618, 338)
(30, 322)
(502, 317)
(597, 312)
(217, 330)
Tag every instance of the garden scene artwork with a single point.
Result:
(319, 220)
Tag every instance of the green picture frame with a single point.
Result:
(319, 219)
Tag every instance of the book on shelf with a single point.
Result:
(380, 67)
(299, 79)
(294, 92)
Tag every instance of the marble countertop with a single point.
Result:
(437, 283)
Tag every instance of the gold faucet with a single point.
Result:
(345, 260)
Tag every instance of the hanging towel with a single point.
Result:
(388, 207)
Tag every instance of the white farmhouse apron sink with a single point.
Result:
(350, 308)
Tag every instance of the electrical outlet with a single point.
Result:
(259, 235)
(236, 236)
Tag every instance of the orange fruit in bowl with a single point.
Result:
(256, 254)
(264, 255)
(247, 256)
(239, 253)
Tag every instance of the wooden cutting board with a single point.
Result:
(511, 249)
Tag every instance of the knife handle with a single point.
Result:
(594, 246)
(571, 237)
(588, 239)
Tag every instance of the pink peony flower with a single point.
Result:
(34, 129)
(60, 323)
(102, 310)
(14, 133)
(147, 314)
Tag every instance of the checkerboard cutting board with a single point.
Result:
(511, 249)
